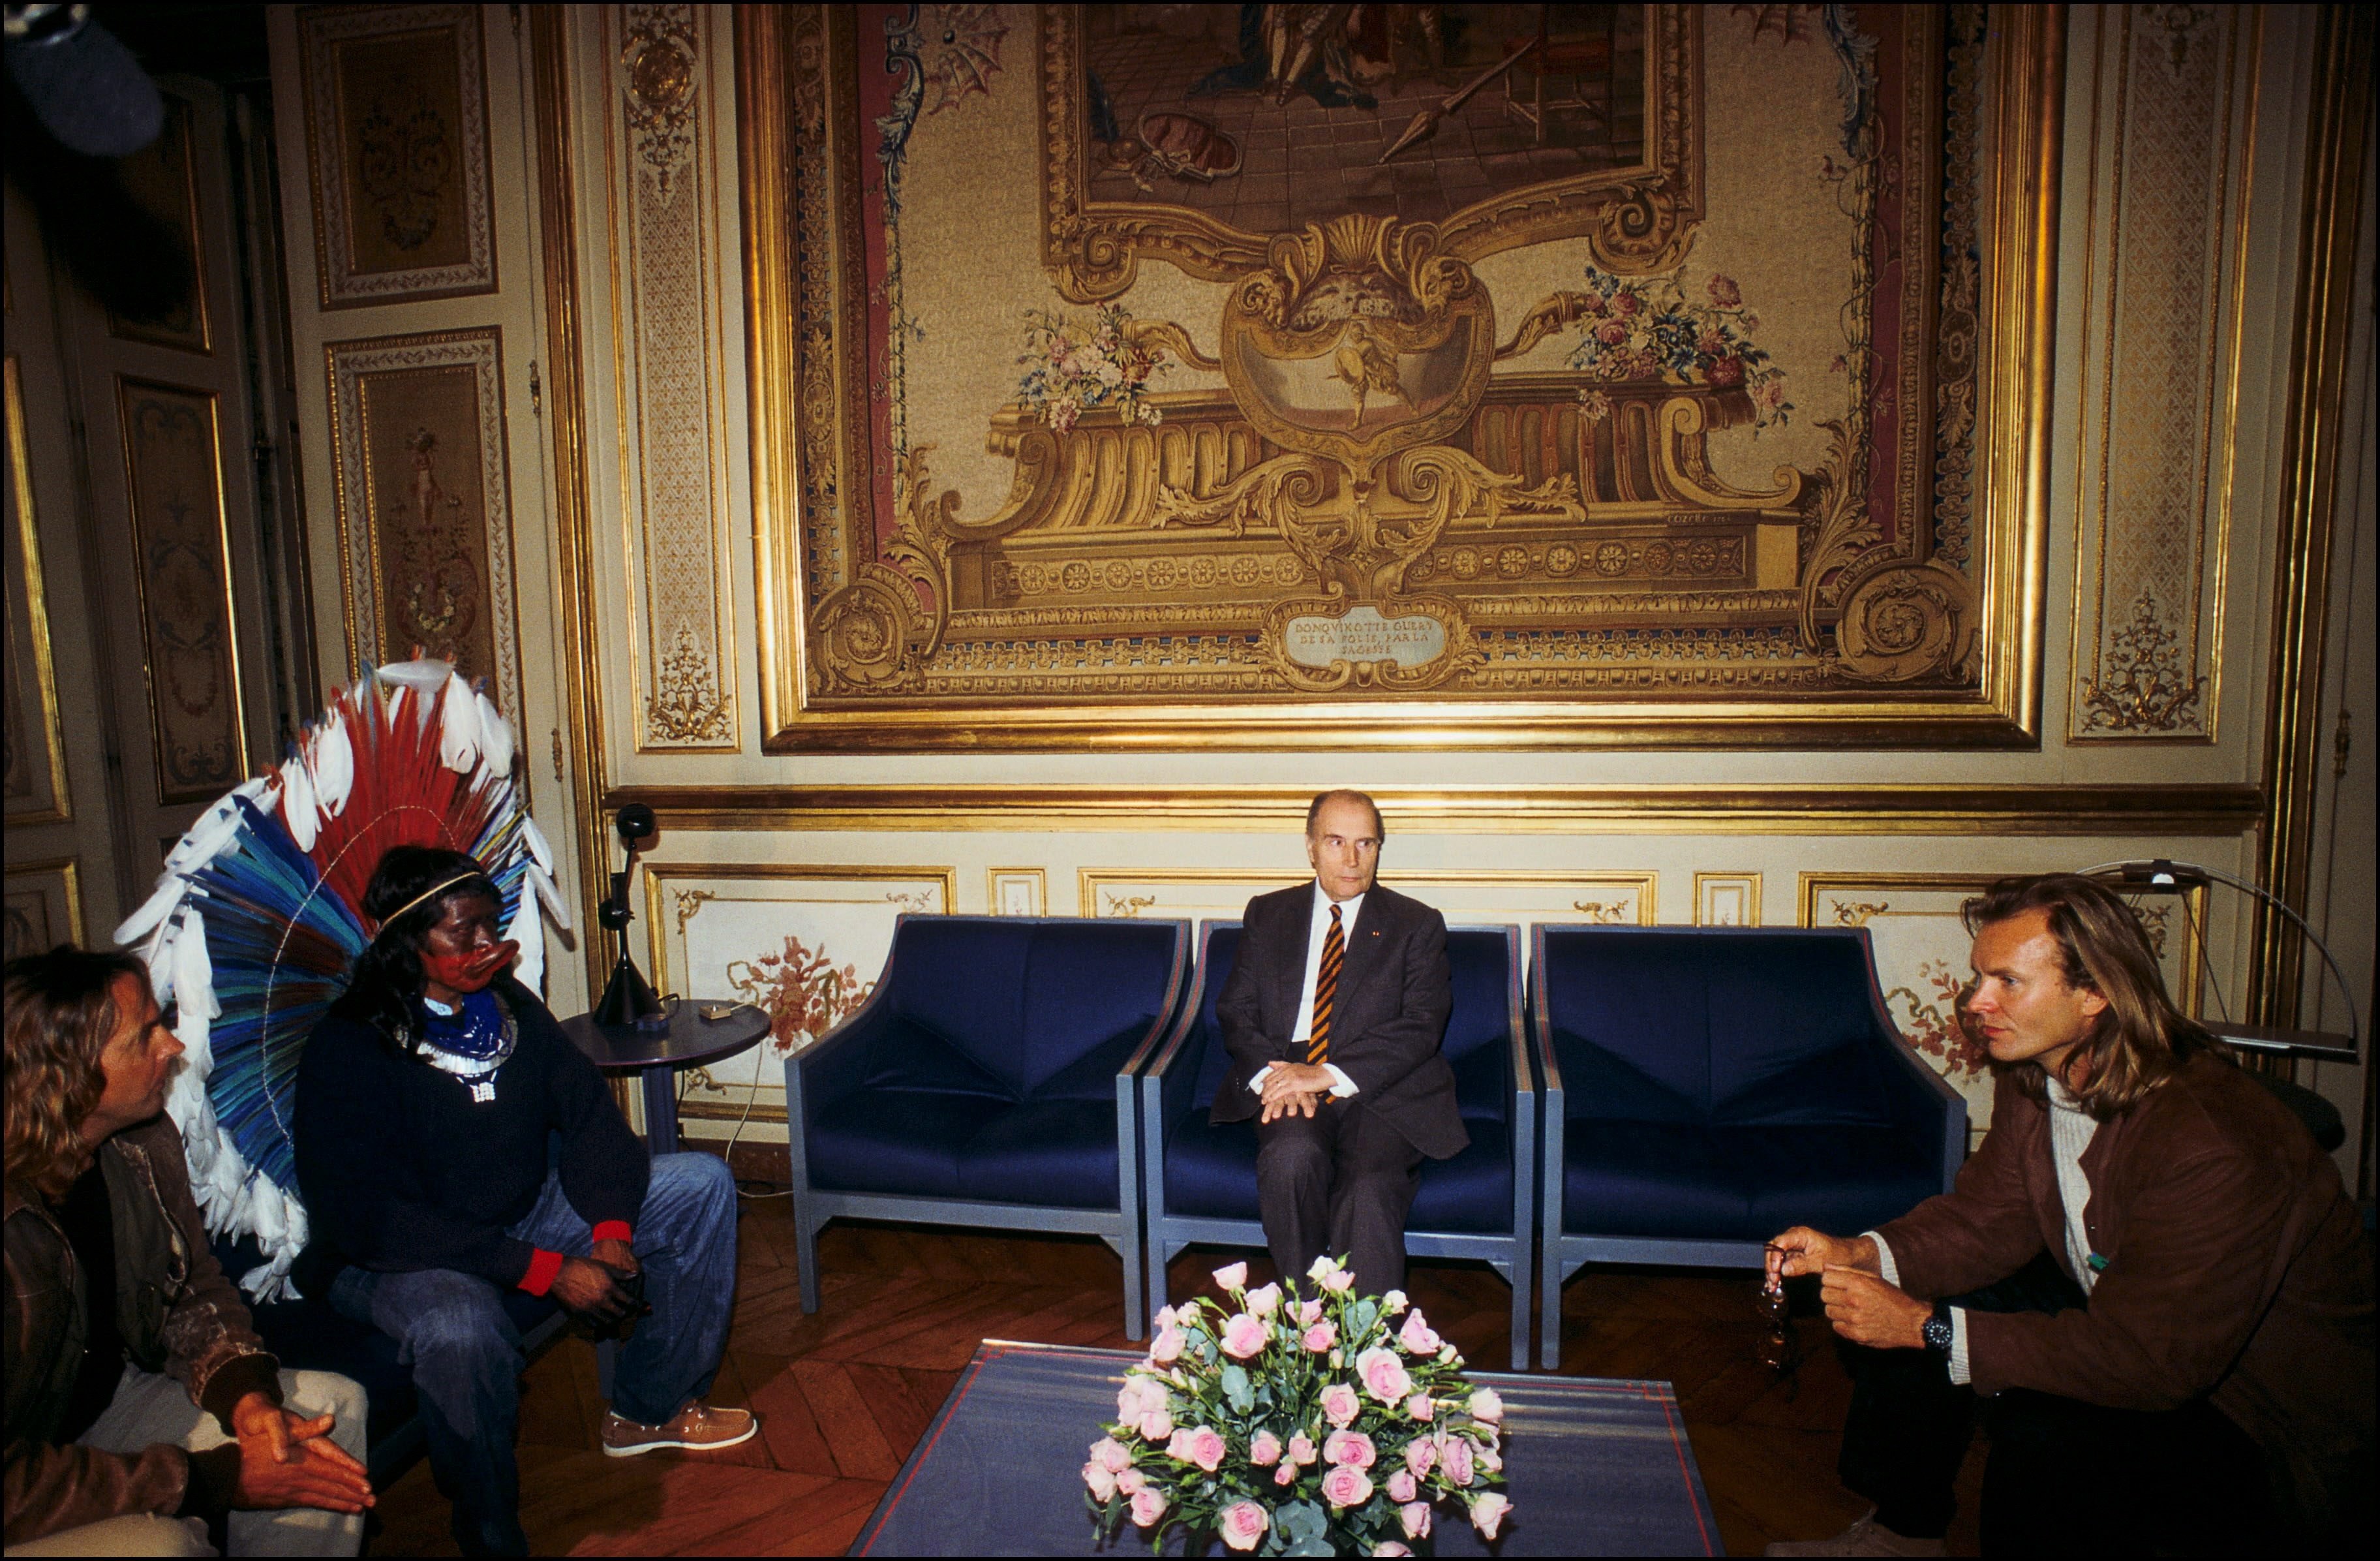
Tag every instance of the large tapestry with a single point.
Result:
(1530, 372)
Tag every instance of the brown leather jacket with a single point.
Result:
(2237, 1267)
(177, 1313)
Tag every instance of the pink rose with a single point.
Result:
(1487, 1405)
(1346, 1485)
(1725, 372)
(1338, 1281)
(1420, 1407)
(1710, 344)
(1627, 303)
(1245, 1335)
(1487, 1512)
(1241, 1524)
(1167, 1317)
(1401, 1487)
(1157, 1426)
(1390, 1547)
(1262, 1302)
(1416, 1337)
(1285, 1474)
(1421, 1457)
(1101, 1480)
(1491, 1460)
(1264, 1449)
(1301, 1448)
(1207, 1448)
(1392, 1303)
(1415, 1516)
(1339, 1405)
(1110, 1455)
(1348, 1447)
(1232, 1277)
(1147, 1506)
(1611, 332)
(1456, 1456)
(1321, 1267)
(1321, 1336)
(1166, 1348)
(1177, 1447)
(1309, 1312)
(1383, 1375)
(1131, 1481)
(1724, 292)
(1596, 303)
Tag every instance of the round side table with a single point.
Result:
(690, 1041)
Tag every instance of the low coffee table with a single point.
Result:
(1595, 1466)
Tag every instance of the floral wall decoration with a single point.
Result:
(1564, 394)
(802, 990)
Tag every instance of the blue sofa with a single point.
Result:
(1201, 1179)
(988, 1081)
(1706, 1088)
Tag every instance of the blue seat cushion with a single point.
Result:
(1210, 1168)
(1061, 1153)
(1735, 1183)
(1473, 1191)
(931, 1143)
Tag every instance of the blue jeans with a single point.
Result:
(453, 1333)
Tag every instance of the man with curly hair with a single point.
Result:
(141, 1405)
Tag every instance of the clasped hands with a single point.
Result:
(595, 1290)
(287, 1461)
(1860, 1305)
(1294, 1086)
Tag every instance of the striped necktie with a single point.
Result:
(1326, 991)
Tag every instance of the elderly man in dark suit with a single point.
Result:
(1332, 1016)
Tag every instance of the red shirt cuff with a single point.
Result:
(610, 1230)
(541, 1270)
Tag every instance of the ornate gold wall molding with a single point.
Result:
(1727, 899)
(181, 539)
(37, 759)
(162, 181)
(2174, 102)
(572, 517)
(397, 136)
(659, 158)
(2336, 182)
(2197, 811)
(423, 503)
(855, 605)
(44, 906)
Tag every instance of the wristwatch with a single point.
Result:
(1937, 1330)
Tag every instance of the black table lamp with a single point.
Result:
(627, 997)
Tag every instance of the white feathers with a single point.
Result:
(299, 809)
(530, 970)
(495, 736)
(334, 765)
(538, 847)
(152, 913)
(458, 738)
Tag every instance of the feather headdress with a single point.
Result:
(258, 919)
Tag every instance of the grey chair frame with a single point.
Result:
(1565, 1253)
(1120, 1228)
(1512, 1255)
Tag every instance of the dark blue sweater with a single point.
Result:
(400, 1169)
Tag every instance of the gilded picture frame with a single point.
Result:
(1374, 635)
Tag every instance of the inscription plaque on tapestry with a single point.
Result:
(1234, 359)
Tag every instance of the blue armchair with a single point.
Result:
(988, 1081)
(1708, 1087)
(1201, 1179)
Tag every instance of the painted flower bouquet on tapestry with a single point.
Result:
(1073, 366)
(1297, 1425)
(1648, 329)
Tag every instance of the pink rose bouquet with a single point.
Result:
(1237, 1428)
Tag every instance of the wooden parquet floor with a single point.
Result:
(844, 1395)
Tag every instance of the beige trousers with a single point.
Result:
(148, 1408)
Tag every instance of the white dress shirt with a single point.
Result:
(1320, 928)
(2070, 1130)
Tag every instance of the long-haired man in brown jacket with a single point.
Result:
(2149, 1272)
